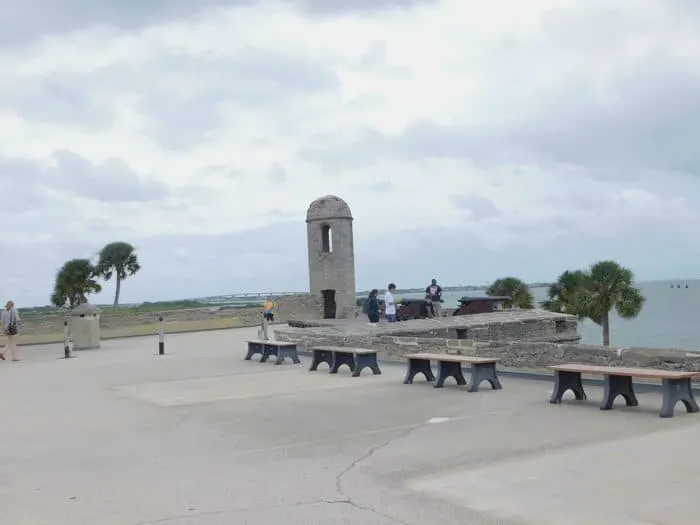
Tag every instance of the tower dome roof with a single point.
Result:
(328, 207)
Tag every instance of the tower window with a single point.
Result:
(326, 239)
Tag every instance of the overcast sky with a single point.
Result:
(471, 139)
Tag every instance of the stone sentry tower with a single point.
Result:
(331, 256)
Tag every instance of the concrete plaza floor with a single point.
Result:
(201, 437)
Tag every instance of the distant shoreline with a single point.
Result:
(255, 299)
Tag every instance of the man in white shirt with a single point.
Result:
(390, 304)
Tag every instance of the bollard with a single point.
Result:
(66, 343)
(263, 329)
(161, 336)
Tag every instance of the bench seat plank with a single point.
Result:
(273, 343)
(644, 373)
(346, 349)
(453, 357)
(676, 385)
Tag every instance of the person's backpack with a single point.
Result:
(365, 306)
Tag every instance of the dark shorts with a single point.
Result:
(269, 316)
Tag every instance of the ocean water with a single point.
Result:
(669, 318)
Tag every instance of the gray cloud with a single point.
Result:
(478, 207)
(112, 181)
(181, 95)
(277, 174)
(54, 99)
(73, 176)
(261, 80)
(22, 22)
(653, 125)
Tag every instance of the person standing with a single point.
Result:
(435, 292)
(10, 326)
(269, 310)
(426, 309)
(373, 306)
(390, 304)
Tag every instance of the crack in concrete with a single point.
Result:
(347, 500)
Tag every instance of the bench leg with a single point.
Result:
(287, 351)
(340, 359)
(449, 369)
(484, 372)
(418, 366)
(675, 390)
(366, 361)
(320, 356)
(618, 386)
(268, 350)
(253, 348)
(564, 381)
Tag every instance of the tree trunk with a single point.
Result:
(116, 292)
(606, 328)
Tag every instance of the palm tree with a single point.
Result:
(608, 285)
(74, 281)
(564, 296)
(119, 259)
(517, 290)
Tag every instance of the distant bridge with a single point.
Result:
(263, 294)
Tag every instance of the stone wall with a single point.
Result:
(536, 329)
(514, 354)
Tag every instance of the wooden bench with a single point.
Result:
(277, 348)
(357, 359)
(450, 365)
(676, 385)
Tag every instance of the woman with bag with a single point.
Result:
(10, 319)
(371, 307)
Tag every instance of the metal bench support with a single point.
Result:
(449, 369)
(285, 351)
(564, 381)
(675, 390)
(618, 386)
(320, 356)
(418, 366)
(484, 372)
(342, 358)
(269, 350)
(363, 361)
(254, 348)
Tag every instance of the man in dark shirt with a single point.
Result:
(435, 293)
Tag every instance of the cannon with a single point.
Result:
(480, 305)
(411, 309)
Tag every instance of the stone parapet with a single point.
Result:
(516, 354)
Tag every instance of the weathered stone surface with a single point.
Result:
(507, 325)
